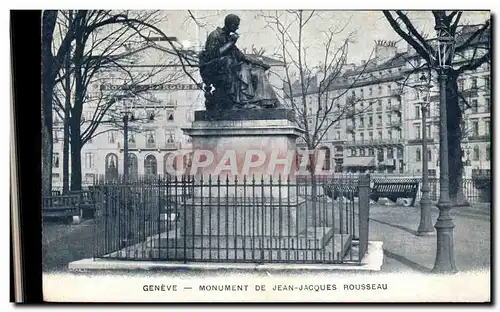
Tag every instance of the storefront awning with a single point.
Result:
(361, 161)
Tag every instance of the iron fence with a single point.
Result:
(223, 219)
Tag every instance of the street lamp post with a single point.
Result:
(127, 116)
(445, 259)
(425, 227)
(125, 145)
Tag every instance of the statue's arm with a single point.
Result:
(225, 48)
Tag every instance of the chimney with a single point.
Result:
(385, 50)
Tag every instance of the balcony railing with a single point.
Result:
(396, 108)
(172, 145)
(481, 172)
(376, 142)
(419, 141)
(396, 124)
(396, 92)
(378, 109)
(350, 128)
(475, 138)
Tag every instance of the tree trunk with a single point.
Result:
(67, 112)
(66, 145)
(46, 159)
(76, 159)
(314, 188)
(49, 20)
(455, 164)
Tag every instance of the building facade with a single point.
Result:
(380, 102)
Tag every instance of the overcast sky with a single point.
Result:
(365, 26)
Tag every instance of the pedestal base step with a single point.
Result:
(328, 247)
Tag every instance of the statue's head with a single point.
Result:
(232, 22)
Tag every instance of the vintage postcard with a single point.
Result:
(266, 156)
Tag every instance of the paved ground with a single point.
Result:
(404, 251)
(394, 225)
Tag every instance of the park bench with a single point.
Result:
(393, 190)
(86, 202)
(62, 206)
(388, 189)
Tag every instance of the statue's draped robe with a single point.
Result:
(234, 79)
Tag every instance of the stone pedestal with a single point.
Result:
(244, 201)
(251, 144)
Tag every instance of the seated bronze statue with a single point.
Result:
(233, 80)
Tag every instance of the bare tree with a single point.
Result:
(475, 38)
(316, 106)
(102, 48)
(53, 54)
(92, 39)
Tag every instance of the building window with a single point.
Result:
(460, 84)
(488, 152)
(400, 153)
(111, 167)
(56, 135)
(150, 165)
(475, 107)
(429, 155)
(132, 167)
(487, 127)
(417, 132)
(362, 136)
(475, 155)
(389, 89)
(150, 137)
(390, 153)
(55, 160)
(380, 135)
(418, 155)
(380, 154)
(370, 135)
(151, 114)
(428, 130)
(338, 135)
(169, 136)
(417, 111)
(89, 160)
(371, 151)
(389, 119)
(379, 90)
(475, 128)
(390, 134)
(379, 123)
(326, 161)
(361, 122)
(131, 138)
(474, 83)
(362, 152)
(170, 115)
(111, 137)
(370, 91)
(370, 121)
(486, 83)
(487, 104)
